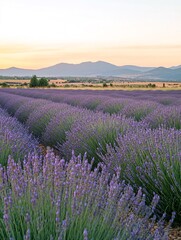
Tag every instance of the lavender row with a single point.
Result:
(150, 159)
(167, 117)
(71, 128)
(14, 139)
(163, 97)
(152, 112)
(52, 199)
(68, 128)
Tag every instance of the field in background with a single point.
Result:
(103, 84)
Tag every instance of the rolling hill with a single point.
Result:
(100, 68)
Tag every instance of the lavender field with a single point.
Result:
(111, 169)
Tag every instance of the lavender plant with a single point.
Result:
(51, 199)
(94, 132)
(11, 104)
(90, 102)
(39, 118)
(138, 109)
(112, 106)
(169, 117)
(152, 160)
(63, 97)
(25, 110)
(55, 132)
(14, 139)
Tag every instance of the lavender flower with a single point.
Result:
(104, 207)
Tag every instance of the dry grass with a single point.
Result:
(123, 85)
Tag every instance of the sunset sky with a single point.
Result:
(40, 33)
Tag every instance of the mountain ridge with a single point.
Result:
(99, 68)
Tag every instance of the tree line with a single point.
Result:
(35, 82)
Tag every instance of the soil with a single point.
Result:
(175, 234)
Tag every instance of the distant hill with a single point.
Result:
(64, 69)
(137, 68)
(100, 68)
(82, 69)
(176, 67)
(164, 74)
(122, 72)
(13, 71)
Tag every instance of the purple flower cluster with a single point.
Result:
(112, 105)
(14, 139)
(150, 159)
(52, 199)
(91, 134)
(60, 124)
(26, 108)
(169, 117)
(40, 117)
(12, 102)
(138, 109)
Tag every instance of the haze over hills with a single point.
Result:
(100, 68)
(163, 73)
(175, 67)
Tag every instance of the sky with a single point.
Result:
(41, 33)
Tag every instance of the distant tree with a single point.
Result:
(104, 84)
(151, 85)
(4, 85)
(53, 85)
(43, 82)
(34, 81)
(163, 85)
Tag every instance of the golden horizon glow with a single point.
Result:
(37, 33)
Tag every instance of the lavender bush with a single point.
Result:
(152, 160)
(14, 139)
(39, 118)
(55, 132)
(169, 117)
(10, 103)
(138, 109)
(91, 102)
(70, 99)
(112, 106)
(25, 110)
(93, 132)
(51, 199)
